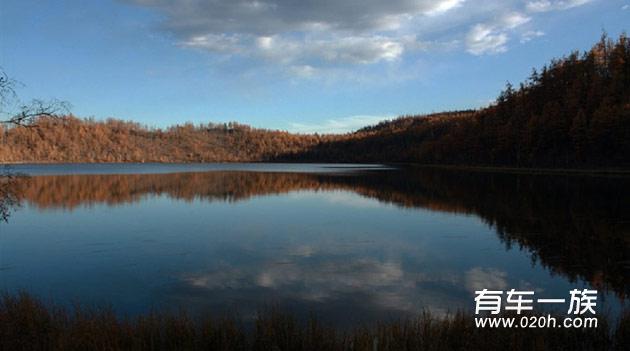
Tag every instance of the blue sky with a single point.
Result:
(303, 66)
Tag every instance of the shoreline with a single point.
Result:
(480, 168)
(520, 170)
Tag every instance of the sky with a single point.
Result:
(303, 66)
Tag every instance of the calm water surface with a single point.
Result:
(357, 243)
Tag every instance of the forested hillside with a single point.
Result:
(573, 113)
(70, 139)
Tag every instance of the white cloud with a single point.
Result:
(306, 53)
(223, 43)
(514, 19)
(264, 43)
(188, 17)
(340, 125)
(484, 39)
(307, 37)
(492, 38)
(303, 71)
(625, 7)
(355, 50)
(441, 7)
(539, 6)
(485, 278)
(531, 34)
(550, 5)
(361, 273)
(313, 37)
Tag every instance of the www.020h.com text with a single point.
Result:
(547, 321)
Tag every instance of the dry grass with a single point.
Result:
(28, 324)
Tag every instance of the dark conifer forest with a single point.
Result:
(575, 112)
(572, 113)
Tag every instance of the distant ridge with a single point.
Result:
(573, 113)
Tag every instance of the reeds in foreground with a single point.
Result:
(28, 324)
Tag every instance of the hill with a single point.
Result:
(572, 113)
(70, 139)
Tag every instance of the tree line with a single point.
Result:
(572, 113)
(71, 139)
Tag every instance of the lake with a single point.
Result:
(350, 243)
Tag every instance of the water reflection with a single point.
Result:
(10, 185)
(363, 244)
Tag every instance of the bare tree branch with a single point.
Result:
(7, 90)
(13, 112)
(28, 113)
